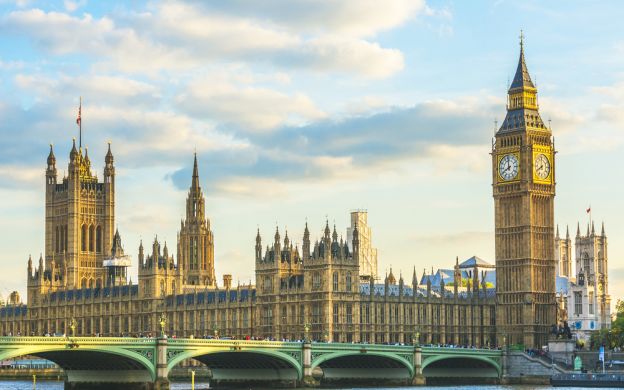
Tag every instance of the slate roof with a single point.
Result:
(475, 260)
(521, 78)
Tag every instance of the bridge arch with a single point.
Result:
(461, 365)
(364, 365)
(227, 363)
(92, 363)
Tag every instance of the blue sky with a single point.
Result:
(306, 109)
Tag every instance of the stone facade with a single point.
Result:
(587, 299)
(523, 174)
(318, 286)
(368, 254)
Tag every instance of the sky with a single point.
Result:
(303, 111)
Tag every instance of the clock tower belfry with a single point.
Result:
(523, 181)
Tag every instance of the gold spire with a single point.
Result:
(522, 104)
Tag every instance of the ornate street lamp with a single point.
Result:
(416, 339)
(215, 329)
(72, 326)
(163, 322)
(306, 332)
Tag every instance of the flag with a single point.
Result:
(588, 210)
(79, 112)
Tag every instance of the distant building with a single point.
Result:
(368, 254)
(588, 299)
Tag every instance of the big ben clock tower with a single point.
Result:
(523, 174)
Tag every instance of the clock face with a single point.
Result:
(508, 167)
(542, 166)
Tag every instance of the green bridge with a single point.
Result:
(144, 363)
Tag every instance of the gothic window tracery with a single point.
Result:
(98, 239)
(585, 261)
(84, 238)
(91, 238)
(316, 280)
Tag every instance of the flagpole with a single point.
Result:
(80, 124)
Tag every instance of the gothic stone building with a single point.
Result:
(82, 274)
(584, 295)
(82, 277)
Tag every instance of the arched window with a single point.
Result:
(173, 287)
(91, 238)
(84, 238)
(348, 280)
(65, 236)
(600, 262)
(98, 239)
(316, 280)
(98, 283)
(335, 281)
(90, 283)
(162, 288)
(585, 261)
(268, 285)
(83, 284)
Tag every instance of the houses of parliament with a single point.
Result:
(329, 285)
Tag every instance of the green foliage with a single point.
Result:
(613, 337)
(619, 319)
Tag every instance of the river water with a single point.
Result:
(54, 385)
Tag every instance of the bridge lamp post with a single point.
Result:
(306, 333)
(72, 326)
(416, 339)
(163, 323)
(216, 332)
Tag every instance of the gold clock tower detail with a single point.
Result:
(523, 173)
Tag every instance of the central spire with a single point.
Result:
(522, 105)
(195, 199)
(521, 79)
(195, 182)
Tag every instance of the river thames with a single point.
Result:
(54, 385)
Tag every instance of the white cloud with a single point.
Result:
(21, 176)
(250, 108)
(356, 18)
(60, 34)
(178, 36)
(72, 6)
(100, 87)
(336, 53)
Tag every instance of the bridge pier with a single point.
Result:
(162, 372)
(308, 380)
(418, 379)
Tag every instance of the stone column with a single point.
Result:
(162, 373)
(418, 379)
(307, 380)
(505, 364)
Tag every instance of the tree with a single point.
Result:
(613, 337)
(619, 319)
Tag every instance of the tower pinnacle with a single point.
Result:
(521, 79)
(195, 182)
